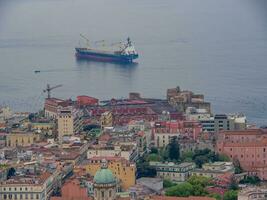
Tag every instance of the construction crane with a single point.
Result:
(48, 90)
(87, 40)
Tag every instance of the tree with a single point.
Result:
(254, 180)
(167, 183)
(11, 172)
(180, 190)
(173, 149)
(238, 168)
(31, 116)
(199, 190)
(199, 180)
(216, 196)
(230, 195)
(144, 169)
(154, 150)
(200, 160)
(153, 157)
(223, 158)
(187, 156)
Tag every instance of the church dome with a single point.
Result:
(104, 176)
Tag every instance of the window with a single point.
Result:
(110, 193)
(102, 194)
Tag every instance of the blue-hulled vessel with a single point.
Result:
(125, 53)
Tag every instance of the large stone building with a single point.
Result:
(52, 105)
(213, 170)
(249, 147)
(20, 138)
(33, 187)
(181, 100)
(127, 151)
(121, 168)
(173, 172)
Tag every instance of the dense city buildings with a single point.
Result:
(125, 149)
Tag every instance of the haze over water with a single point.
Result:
(215, 47)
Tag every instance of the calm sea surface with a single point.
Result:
(215, 47)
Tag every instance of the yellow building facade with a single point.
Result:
(43, 126)
(21, 139)
(106, 119)
(124, 171)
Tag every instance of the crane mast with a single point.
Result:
(49, 89)
(87, 40)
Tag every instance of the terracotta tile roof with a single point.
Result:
(44, 176)
(245, 132)
(108, 158)
(104, 137)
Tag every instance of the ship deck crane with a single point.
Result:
(87, 40)
(49, 89)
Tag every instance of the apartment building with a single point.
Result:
(172, 171)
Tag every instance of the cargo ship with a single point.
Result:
(125, 53)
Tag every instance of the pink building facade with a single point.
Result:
(249, 147)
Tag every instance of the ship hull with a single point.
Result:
(104, 57)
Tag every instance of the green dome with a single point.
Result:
(104, 176)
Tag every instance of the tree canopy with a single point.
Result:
(195, 186)
(230, 195)
(173, 149)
